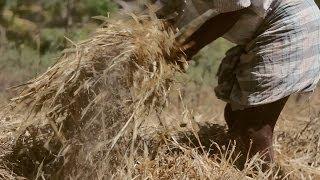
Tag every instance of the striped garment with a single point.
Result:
(282, 59)
(279, 52)
(196, 12)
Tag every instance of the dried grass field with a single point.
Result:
(174, 152)
(110, 108)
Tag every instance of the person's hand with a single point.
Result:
(187, 54)
(183, 64)
(189, 50)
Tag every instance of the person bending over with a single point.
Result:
(277, 55)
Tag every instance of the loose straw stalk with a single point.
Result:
(98, 88)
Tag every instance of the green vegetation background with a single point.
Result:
(32, 34)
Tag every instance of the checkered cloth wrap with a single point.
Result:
(283, 58)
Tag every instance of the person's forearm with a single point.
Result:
(211, 30)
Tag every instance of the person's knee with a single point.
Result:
(262, 135)
(228, 116)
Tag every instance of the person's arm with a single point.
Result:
(211, 30)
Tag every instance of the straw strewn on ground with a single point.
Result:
(84, 118)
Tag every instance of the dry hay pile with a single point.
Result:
(81, 117)
(298, 146)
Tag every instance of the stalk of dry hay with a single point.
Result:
(88, 97)
(99, 90)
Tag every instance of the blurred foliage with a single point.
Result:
(206, 62)
(27, 21)
(32, 33)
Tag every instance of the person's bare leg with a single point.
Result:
(253, 128)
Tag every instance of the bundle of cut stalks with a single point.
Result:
(83, 112)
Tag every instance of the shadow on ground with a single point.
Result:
(213, 138)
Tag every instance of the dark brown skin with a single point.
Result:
(253, 127)
(210, 31)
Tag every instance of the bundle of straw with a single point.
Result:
(98, 91)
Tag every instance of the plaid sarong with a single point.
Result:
(283, 58)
